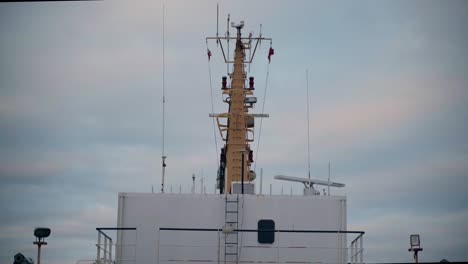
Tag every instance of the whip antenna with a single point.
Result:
(227, 39)
(308, 125)
(328, 179)
(163, 156)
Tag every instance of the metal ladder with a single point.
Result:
(231, 240)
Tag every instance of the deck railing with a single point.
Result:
(356, 250)
(110, 252)
(281, 251)
(290, 246)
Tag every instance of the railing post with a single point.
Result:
(355, 251)
(219, 247)
(361, 255)
(105, 249)
(98, 245)
(159, 235)
(110, 250)
(277, 248)
(339, 247)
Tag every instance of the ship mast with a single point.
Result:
(237, 156)
(236, 142)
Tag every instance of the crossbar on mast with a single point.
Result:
(226, 115)
(226, 60)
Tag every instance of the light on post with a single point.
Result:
(415, 244)
(40, 233)
(414, 241)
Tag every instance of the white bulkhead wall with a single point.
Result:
(150, 211)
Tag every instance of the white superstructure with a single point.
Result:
(235, 225)
(151, 212)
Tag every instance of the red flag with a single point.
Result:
(209, 54)
(271, 52)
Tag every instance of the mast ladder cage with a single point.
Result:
(238, 131)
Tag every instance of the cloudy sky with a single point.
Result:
(80, 113)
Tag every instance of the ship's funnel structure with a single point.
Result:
(237, 130)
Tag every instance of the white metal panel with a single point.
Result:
(149, 212)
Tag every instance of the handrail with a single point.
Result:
(106, 247)
(264, 230)
(357, 238)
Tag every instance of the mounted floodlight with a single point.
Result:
(414, 241)
(415, 244)
(250, 100)
(42, 232)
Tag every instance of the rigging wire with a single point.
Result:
(212, 108)
(261, 119)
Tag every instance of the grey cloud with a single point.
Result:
(80, 112)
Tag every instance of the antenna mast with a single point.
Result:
(236, 156)
(163, 155)
(227, 39)
(328, 178)
(217, 22)
(308, 125)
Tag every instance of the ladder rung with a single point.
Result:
(231, 254)
(232, 212)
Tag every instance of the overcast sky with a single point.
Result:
(81, 111)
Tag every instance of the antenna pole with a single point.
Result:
(261, 180)
(193, 183)
(201, 184)
(260, 36)
(308, 125)
(163, 156)
(328, 178)
(227, 64)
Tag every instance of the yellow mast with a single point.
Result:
(236, 156)
(237, 131)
